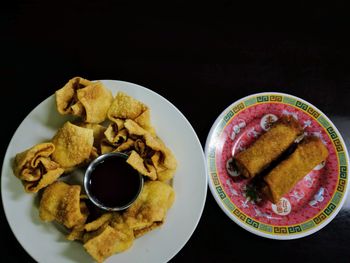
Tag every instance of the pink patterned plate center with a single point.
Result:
(309, 196)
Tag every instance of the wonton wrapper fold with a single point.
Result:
(105, 236)
(164, 162)
(83, 98)
(66, 97)
(96, 100)
(108, 242)
(150, 208)
(35, 168)
(136, 161)
(73, 145)
(61, 202)
(126, 107)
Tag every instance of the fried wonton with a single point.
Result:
(108, 242)
(61, 202)
(144, 120)
(136, 161)
(125, 146)
(126, 107)
(163, 173)
(126, 234)
(35, 168)
(81, 232)
(66, 98)
(116, 136)
(150, 208)
(134, 129)
(73, 145)
(155, 143)
(98, 132)
(83, 98)
(157, 158)
(96, 100)
(96, 224)
(105, 236)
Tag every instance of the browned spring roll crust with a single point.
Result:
(309, 153)
(268, 147)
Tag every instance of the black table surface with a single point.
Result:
(201, 57)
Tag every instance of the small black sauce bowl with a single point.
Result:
(90, 170)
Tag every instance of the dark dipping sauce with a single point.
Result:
(113, 183)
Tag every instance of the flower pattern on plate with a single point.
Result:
(257, 119)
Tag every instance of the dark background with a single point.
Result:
(201, 56)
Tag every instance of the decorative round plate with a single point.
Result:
(311, 204)
(45, 243)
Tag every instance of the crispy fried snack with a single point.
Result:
(86, 231)
(80, 97)
(268, 147)
(136, 161)
(35, 168)
(130, 131)
(157, 158)
(309, 153)
(126, 107)
(109, 242)
(114, 236)
(98, 132)
(116, 136)
(73, 145)
(61, 202)
(150, 208)
(66, 98)
(105, 236)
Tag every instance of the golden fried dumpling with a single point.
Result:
(153, 153)
(150, 208)
(155, 143)
(126, 107)
(61, 202)
(99, 222)
(66, 98)
(96, 100)
(88, 230)
(163, 173)
(125, 146)
(104, 236)
(126, 234)
(35, 168)
(98, 132)
(116, 136)
(73, 145)
(144, 120)
(138, 163)
(108, 242)
(81, 97)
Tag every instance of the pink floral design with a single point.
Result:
(304, 191)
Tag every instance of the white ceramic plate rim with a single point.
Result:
(182, 218)
(227, 211)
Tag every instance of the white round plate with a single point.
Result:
(312, 203)
(45, 243)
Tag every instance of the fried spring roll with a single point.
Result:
(309, 153)
(268, 147)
